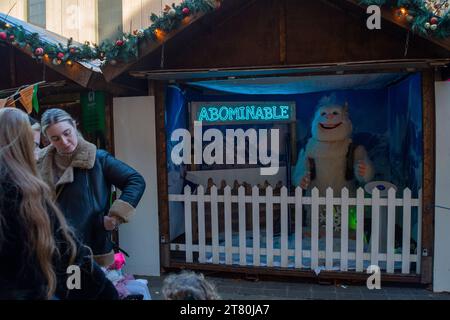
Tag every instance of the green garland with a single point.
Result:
(123, 49)
(421, 19)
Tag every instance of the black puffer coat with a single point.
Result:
(84, 191)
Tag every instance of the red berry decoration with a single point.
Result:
(3, 35)
(39, 52)
(60, 55)
(11, 37)
(434, 20)
(186, 11)
(119, 43)
(73, 50)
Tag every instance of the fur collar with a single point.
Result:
(84, 158)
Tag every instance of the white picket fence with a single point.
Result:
(360, 256)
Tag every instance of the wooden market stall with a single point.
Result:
(326, 45)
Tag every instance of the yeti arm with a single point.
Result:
(301, 168)
(361, 155)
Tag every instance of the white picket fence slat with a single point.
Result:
(228, 226)
(390, 231)
(329, 229)
(255, 224)
(298, 228)
(269, 225)
(359, 230)
(315, 229)
(188, 224)
(201, 225)
(360, 256)
(406, 243)
(215, 225)
(284, 228)
(344, 230)
(242, 233)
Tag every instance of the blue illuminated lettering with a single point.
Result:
(259, 114)
(223, 114)
(244, 113)
(284, 112)
(268, 113)
(203, 115)
(250, 112)
(214, 114)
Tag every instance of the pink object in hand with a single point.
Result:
(119, 261)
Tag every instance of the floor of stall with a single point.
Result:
(235, 288)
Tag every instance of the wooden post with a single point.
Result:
(12, 67)
(109, 123)
(283, 27)
(429, 160)
(109, 141)
(157, 89)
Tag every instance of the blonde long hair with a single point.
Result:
(18, 164)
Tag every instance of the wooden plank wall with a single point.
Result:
(136, 13)
(277, 32)
(73, 18)
(19, 10)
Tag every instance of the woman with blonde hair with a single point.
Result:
(36, 245)
(81, 177)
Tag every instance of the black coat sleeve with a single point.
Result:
(121, 175)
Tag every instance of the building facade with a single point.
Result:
(86, 20)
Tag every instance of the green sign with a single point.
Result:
(243, 112)
(93, 111)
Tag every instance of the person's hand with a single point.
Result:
(361, 168)
(306, 180)
(110, 223)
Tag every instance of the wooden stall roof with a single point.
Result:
(261, 34)
(86, 74)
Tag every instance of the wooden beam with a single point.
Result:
(429, 161)
(157, 89)
(98, 83)
(77, 72)
(148, 46)
(292, 70)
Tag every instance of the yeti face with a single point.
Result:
(331, 123)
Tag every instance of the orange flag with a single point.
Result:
(26, 98)
(10, 103)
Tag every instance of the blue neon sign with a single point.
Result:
(243, 112)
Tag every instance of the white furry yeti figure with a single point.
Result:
(330, 159)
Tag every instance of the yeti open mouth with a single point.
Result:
(330, 126)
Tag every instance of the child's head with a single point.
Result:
(188, 285)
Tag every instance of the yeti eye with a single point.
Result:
(323, 113)
(335, 113)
